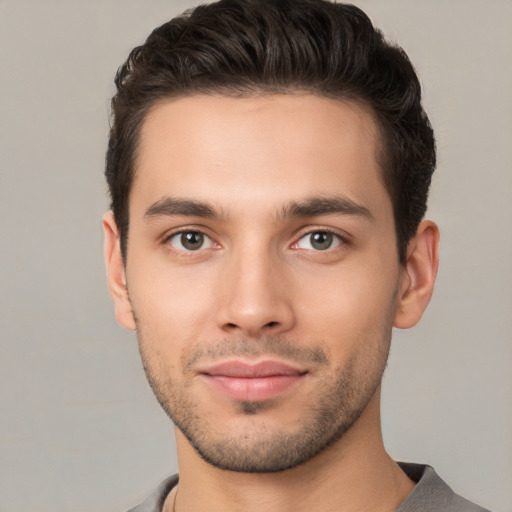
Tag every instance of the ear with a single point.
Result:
(418, 275)
(116, 274)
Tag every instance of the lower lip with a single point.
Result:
(255, 389)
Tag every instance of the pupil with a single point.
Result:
(192, 240)
(321, 240)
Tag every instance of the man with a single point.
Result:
(269, 165)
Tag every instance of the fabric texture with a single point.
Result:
(431, 494)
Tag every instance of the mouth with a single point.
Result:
(242, 381)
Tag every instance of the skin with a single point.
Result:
(258, 289)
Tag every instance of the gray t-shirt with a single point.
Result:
(430, 494)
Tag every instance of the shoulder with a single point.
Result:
(432, 494)
(155, 501)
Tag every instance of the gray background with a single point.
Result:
(79, 429)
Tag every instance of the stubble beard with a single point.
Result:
(342, 400)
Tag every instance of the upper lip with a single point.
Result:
(242, 369)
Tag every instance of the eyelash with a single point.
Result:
(343, 240)
(175, 234)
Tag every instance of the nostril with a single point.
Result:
(272, 324)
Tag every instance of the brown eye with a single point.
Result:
(190, 241)
(319, 241)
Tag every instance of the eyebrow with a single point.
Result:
(332, 205)
(310, 207)
(169, 206)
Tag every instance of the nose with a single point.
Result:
(255, 299)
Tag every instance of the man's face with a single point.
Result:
(262, 271)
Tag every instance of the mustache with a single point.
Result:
(254, 348)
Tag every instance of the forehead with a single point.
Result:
(272, 149)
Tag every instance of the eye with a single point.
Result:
(190, 241)
(319, 241)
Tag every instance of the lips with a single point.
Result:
(252, 382)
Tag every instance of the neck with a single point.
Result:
(353, 474)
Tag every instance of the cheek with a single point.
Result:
(350, 304)
(172, 306)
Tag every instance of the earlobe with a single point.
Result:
(116, 275)
(418, 275)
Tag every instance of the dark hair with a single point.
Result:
(246, 47)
